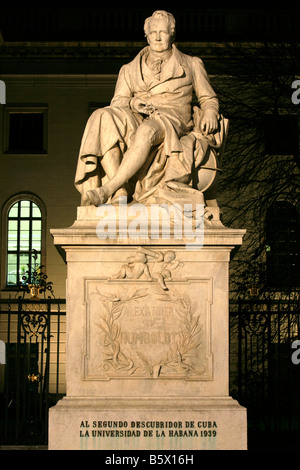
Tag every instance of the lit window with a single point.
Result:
(24, 240)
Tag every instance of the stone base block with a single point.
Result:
(147, 424)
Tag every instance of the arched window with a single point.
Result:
(283, 245)
(24, 239)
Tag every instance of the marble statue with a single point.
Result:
(148, 319)
(151, 143)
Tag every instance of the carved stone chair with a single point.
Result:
(209, 169)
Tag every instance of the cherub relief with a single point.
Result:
(138, 265)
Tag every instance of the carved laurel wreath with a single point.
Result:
(178, 358)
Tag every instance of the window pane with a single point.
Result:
(36, 239)
(24, 235)
(36, 225)
(12, 226)
(12, 276)
(25, 209)
(12, 259)
(14, 210)
(36, 245)
(24, 245)
(12, 240)
(24, 225)
(36, 212)
(12, 235)
(24, 261)
(25, 203)
(12, 268)
(12, 246)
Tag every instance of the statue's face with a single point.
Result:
(159, 35)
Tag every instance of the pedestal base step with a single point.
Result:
(141, 424)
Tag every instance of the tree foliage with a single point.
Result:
(261, 164)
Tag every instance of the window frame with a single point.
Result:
(4, 248)
(280, 113)
(272, 265)
(25, 109)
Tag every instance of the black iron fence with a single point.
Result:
(264, 368)
(32, 334)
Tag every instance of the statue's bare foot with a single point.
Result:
(119, 196)
(97, 196)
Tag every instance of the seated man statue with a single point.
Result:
(144, 138)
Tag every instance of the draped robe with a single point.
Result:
(171, 94)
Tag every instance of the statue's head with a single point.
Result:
(140, 258)
(160, 30)
(169, 256)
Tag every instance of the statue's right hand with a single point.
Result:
(138, 105)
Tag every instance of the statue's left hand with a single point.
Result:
(209, 122)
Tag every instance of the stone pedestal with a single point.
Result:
(147, 342)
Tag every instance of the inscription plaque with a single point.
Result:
(145, 331)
